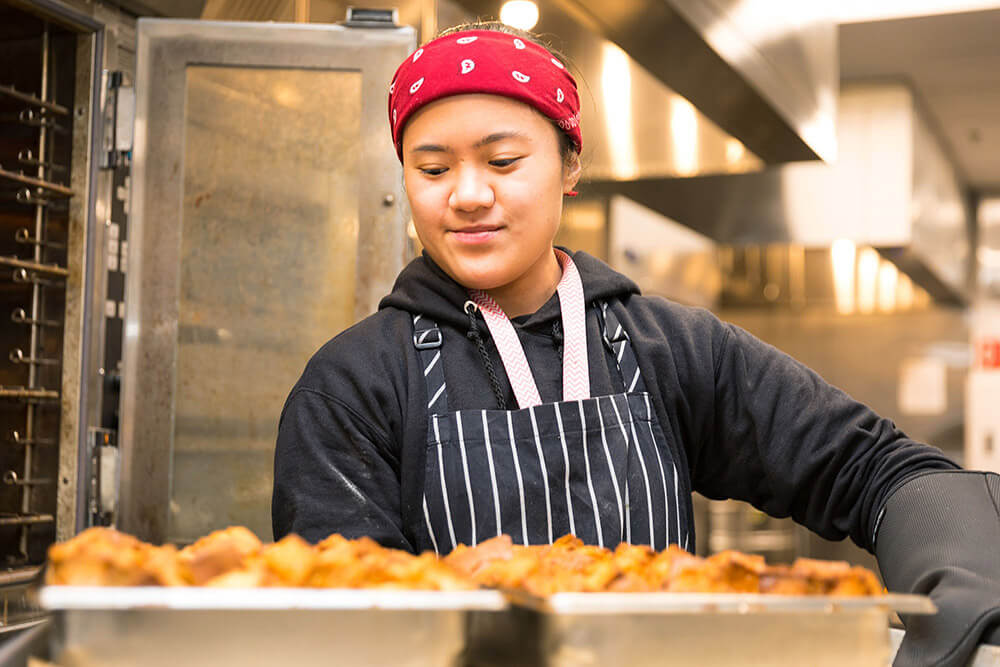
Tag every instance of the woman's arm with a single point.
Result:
(793, 445)
(334, 472)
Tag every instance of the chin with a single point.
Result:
(479, 277)
(479, 281)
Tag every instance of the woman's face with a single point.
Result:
(485, 181)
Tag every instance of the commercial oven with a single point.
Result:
(62, 66)
(188, 210)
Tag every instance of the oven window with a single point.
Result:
(268, 263)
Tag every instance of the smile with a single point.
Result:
(476, 234)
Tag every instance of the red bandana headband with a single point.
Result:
(484, 61)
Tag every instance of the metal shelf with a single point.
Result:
(18, 610)
(53, 188)
(19, 575)
(47, 269)
(21, 392)
(10, 91)
(23, 520)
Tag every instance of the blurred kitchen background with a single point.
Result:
(825, 175)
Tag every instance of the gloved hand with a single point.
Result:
(938, 534)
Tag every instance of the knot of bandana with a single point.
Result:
(490, 62)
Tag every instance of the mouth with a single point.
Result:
(473, 234)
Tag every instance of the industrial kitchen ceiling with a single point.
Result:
(952, 61)
(669, 89)
(763, 72)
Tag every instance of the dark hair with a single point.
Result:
(566, 147)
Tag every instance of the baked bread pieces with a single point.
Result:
(235, 558)
(105, 557)
(569, 565)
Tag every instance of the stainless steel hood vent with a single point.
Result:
(762, 71)
(893, 187)
(669, 88)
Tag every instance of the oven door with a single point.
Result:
(267, 215)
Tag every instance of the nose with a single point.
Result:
(472, 190)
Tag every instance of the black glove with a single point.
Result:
(938, 534)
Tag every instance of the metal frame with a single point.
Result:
(98, 33)
(103, 33)
(79, 272)
(165, 49)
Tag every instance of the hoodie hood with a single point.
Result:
(422, 287)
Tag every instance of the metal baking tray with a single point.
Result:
(640, 629)
(165, 627)
(986, 655)
(713, 603)
(160, 597)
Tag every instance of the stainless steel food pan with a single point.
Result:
(160, 627)
(640, 629)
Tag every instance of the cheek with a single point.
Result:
(424, 199)
(537, 198)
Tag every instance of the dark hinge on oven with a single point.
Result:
(101, 477)
(119, 119)
(364, 17)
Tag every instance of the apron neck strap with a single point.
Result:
(576, 369)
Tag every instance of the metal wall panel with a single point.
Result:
(269, 254)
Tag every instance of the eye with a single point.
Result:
(504, 162)
(433, 171)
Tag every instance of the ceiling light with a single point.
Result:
(888, 276)
(868, 263)
(843, 254)
(616, 85)
(684, 131)
(521, 14)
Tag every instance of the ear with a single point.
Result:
(571, 173)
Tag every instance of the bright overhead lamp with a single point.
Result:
(521, 14)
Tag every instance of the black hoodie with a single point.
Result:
(746, 421)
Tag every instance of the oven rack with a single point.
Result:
(32, 184)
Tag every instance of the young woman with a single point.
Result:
(506, 386)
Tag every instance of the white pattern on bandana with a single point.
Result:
(557, 63)
(417, 54)
(518, 44)
(523, 78)
(468, 66)
(416, 85)
(559, 95)
(466, 40)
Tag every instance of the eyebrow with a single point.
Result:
(488, 139)
(499, 136)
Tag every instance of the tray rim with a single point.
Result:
(68, 598)
(599, 603)
(58, 598)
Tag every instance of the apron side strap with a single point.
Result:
(427, 340)
(617, 340)
(611, 329)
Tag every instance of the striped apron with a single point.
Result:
(596, 467)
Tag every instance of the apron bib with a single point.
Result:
(597, 467)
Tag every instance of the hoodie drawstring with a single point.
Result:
(557, 335)
(470, 310)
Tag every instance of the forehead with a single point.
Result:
(466, 119)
